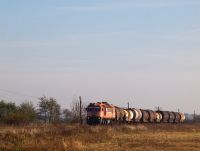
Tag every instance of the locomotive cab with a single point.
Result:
(93, 111)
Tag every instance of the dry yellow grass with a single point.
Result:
(165, 137)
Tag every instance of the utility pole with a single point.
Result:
(158, 108)
(81, 119)
(128, 105)
(194, 118)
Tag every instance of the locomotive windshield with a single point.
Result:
(97, 109)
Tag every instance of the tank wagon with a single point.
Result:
(145, 116)
(137, 115)
(105, 113)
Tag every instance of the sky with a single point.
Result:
(138, 51)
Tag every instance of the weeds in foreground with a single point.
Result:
(180, 137)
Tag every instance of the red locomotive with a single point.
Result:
(100, 113)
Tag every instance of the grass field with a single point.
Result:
(164, 137)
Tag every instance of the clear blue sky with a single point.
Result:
(141, 51)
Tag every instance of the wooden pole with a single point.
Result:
(128, 105)
(81, 119)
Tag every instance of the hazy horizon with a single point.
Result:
(142, 52)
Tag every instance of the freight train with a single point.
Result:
(105, 113)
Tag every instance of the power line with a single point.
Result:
(5, 96)
(19, 94)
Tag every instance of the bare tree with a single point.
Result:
(67, 115)
(54, 110)
(49, 109)
(43, 109)
(76, 108)
(28, 111)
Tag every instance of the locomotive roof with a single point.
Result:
(99, 104)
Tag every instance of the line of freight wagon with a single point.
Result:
(105, 113)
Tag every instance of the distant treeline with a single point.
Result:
(47, 111)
